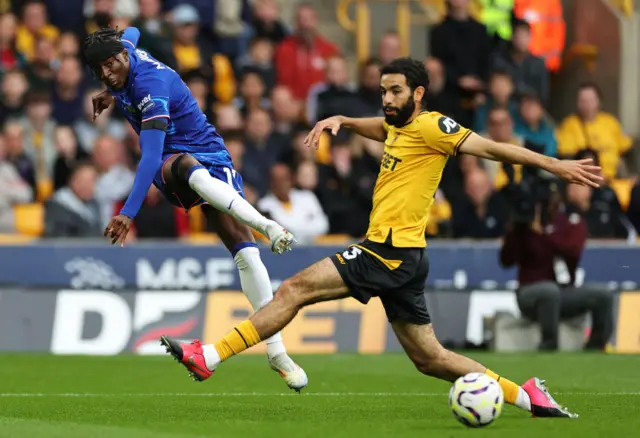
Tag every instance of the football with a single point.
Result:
(476, 400)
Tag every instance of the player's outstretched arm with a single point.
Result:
(369, 127)
(580, 172)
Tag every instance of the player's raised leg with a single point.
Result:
(319, 282)
(431, 358)
(256, 285)
(183, 170)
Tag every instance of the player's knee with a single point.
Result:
(291, 291)
(182, 166)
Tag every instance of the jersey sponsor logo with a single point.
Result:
(448, 125)
(389, 162)
(145, 103)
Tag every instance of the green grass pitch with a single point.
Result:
(348, 396)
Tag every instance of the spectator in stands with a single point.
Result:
(482, 215)
(534, 127)
(591, 128)
(69, 155)
(369, 88)
(231, 27)
(263, 146)
(297, 210)
(13, 190)
(252, 93)
(12, 95)
(439, 224)
(68, 45)
(307, 177)
(155, 32)
(285, 110)
(193, 53)
(98, 14)
(299, 152)
(464, 47)
(233, 140)
(16, 155)
(345, 190)
(266, 21)
(335, 96)
(10, 58)
(528, 72)
(228, 118)
(437, 99)
(259, 58)
(34, 24)
(198, 84)
(68, 91)
(157, 218)
(117, 8)
(501, 129)
(389, 47)
(600, 208)
(41, 71)
(89, 130)
(66, 15)
(115, 179)
(547, 254)
(501, 95)
(309, 50)
(633, 211)
(39, 146)
(73, 211)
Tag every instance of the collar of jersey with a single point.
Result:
(133, 61)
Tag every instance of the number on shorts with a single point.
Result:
(352, 253)
(231, 174)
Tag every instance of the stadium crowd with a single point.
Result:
(263, 85)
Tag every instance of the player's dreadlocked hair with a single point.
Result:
(414, 71)
(102, 44)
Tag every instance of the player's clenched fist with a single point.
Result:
(332, 123)
(101, 102)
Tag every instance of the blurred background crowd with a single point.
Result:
(263, 81)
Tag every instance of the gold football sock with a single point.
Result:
(243, 336)
(509, 388)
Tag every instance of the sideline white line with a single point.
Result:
(288, 394)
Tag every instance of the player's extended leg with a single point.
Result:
(319, 282)
(431, 358)
(186, 174)
(256, 285)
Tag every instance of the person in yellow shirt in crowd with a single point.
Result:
(592, 128)
(191, 55)
(34, 24)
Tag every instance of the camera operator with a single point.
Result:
(546, 245)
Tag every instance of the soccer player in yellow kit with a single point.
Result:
(391, 263)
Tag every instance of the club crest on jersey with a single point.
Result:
(448, 125)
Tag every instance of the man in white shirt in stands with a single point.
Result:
(299, 211)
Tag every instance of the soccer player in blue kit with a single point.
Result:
(186, 159)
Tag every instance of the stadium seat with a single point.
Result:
(44, 189)
(511, 334)
(29, 219)
(196, 220)
(201, 238)
(623, 188)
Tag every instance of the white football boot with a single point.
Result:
(293, 375)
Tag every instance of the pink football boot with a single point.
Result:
(190, 355)
(542, 404)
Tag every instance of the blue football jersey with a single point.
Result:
(155, 91)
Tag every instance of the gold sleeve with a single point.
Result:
(442, 133)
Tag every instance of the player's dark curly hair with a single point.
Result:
(413, 70)
(102, 44)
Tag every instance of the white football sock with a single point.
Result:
(211, 356)
(224, 197)
(256, 285)
(523, 401)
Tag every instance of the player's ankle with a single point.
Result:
(211, 356)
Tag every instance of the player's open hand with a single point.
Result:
(118, 229)
(332, 123)
(581, 172)
(101, 102)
